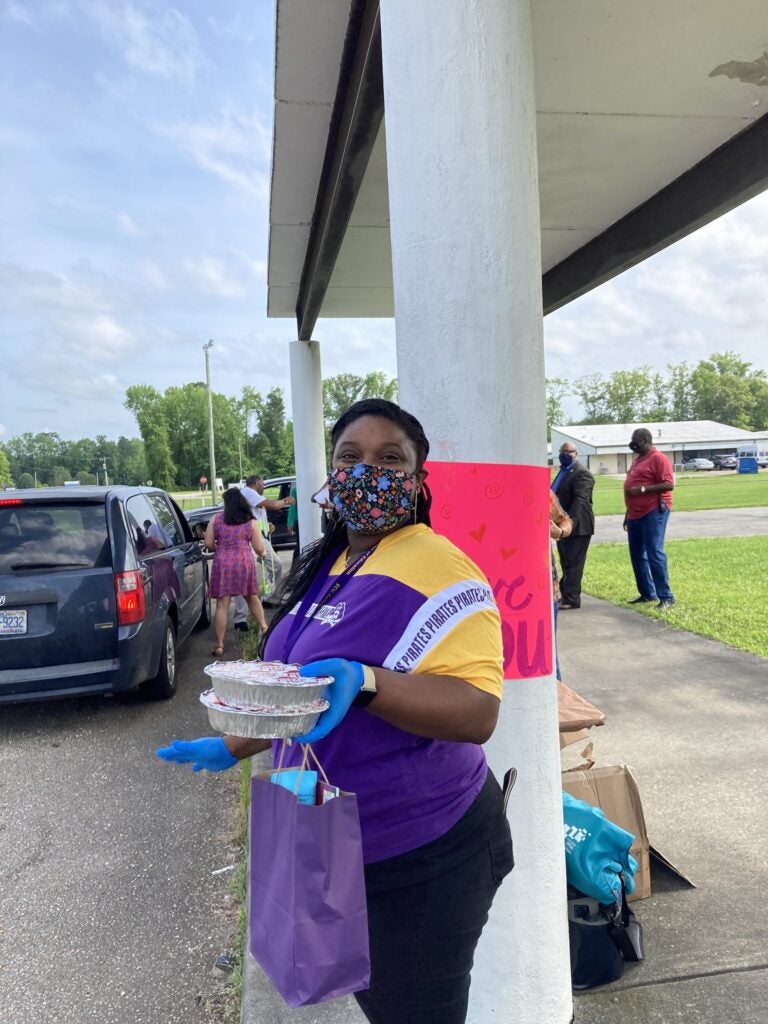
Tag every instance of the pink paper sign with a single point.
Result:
(499, 516)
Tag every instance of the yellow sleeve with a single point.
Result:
(457, 630)
(471, 651)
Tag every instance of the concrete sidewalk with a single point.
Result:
(688, 715)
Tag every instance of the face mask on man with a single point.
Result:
(372, 499)
(634, 446)
(566, 459)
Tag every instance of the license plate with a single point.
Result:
(13, 623)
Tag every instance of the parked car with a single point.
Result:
(276, 487)
(99, 586)
(725, 461)
(698, 464)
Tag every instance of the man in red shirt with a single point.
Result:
(648, 490)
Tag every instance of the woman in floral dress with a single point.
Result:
(232, 535)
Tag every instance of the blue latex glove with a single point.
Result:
(347, 681)
(209, 752)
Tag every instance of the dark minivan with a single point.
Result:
(98, 587)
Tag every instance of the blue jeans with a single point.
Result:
(646, 551)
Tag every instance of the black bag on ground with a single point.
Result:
(602, 939)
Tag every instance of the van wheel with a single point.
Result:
(163, 685)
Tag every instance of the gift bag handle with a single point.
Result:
(308, 749)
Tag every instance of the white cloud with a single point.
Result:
(259, 269)
(101, 336)
(128, 225)
(239, 28)
(70, 313)
(357, 346)
(235, 148)
(15, 11)
(707, 293)
(153, 275)
(215, 279)
(85, 385)
(162, 44)
(3, 430)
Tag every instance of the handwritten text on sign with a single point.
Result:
(499, 516)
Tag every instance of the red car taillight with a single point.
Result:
(129, 591)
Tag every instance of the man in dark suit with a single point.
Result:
(573, 486)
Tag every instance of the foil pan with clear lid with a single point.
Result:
(262, 723)
(258, 684)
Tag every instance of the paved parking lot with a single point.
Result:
(110, 910)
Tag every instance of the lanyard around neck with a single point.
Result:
(303, 616)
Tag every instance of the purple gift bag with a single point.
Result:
(308, 917)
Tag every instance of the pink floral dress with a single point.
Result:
(234, 569)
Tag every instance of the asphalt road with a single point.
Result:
(713, 522)
(110, 908)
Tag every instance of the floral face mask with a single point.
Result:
(372, 499)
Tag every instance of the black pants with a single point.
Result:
(423, 937)
(573, 556)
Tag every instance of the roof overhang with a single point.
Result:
(650, 123)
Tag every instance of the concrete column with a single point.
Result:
(464, 221)
(308, 434)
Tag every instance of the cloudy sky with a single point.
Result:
(133, 226)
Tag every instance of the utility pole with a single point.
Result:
(211, 453)
(106, 478)
(240, 459)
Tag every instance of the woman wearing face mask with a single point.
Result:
(407, 627)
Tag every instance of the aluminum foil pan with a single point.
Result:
(254, 684)
(264, 724)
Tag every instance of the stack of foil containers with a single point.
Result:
(263, 699)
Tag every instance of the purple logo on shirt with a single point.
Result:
(331, 614)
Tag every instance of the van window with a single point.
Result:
(153, 524)
(166, 519)
(50, 536)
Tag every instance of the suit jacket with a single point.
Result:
(575, 495)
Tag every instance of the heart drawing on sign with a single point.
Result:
(507, 552)
(478, 534)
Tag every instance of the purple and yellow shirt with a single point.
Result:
(419, 605)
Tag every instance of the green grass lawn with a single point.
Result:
(190, 500)
(693, 491)
(719, 586)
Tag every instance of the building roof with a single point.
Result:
(689, 433)
(629, 161)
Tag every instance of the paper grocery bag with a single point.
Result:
(308, 917)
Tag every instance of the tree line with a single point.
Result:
(724, 388)
(252, 435)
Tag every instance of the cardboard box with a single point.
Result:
(575, 712)
(614, 790)
(567, 739)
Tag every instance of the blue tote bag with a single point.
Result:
(597, 853)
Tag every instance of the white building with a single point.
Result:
(604, 448)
